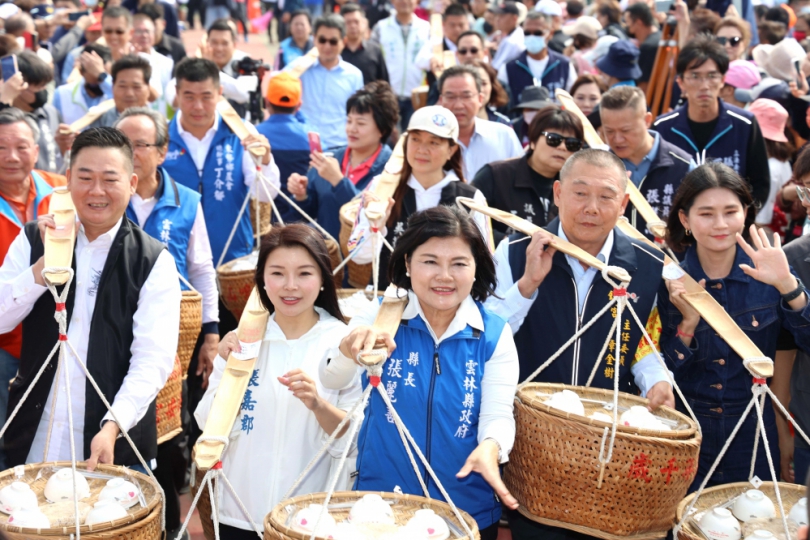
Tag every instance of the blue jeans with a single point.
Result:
(212, 13)
(8, 370)
(801, 463)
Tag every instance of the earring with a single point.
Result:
(407, 274)
(321, 288)
(688, 232)
(473, 280)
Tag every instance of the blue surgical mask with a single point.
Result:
(535, 44)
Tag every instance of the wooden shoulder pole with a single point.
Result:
(297, 67)
(92, 114)
(237, 125)
(388, 318)
(59, 241)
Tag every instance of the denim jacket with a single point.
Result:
(709, 371)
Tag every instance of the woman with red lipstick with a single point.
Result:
(711, 211)
(286, 413)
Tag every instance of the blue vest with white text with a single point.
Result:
(520, 76)
(436, 390)
(171, 220)
(221, 185)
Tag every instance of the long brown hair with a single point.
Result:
(303, 236)
(454, 164)
(498, 97)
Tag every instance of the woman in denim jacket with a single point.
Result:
(754, 283)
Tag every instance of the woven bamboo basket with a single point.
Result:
(204, 505)
(404, 507)
(265, 213)
(141, 522)
(236, 282)
(554, 467)
(359, 274)
(335, 257)
(346, 293)
(168, 405)
(190, 326)
(720, 495)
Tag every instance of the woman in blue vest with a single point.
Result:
(452, 377)
(711, 211)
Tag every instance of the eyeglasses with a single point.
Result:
(712, 77)
(333, 41)
(471, 50)
(117, 31)
(143, 145)
(534, 33)
(803, 193)
(732, 42)
(572, 144)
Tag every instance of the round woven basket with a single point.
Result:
(235, 285)
(190, 326)
(720, 495)
(404, 507)
(335, 257)
(265, 213)
(141, 523)
(346, 293)
(359, 274)
(167, 406)
(554, 467)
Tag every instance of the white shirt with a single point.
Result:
(275, 435)
(509, 48)
(199, 260)
(162, 67)
(498, 386)
(491, 141)
(538, 67)
(781, 174)
(198, 148)
(154, 343)
(425, 198)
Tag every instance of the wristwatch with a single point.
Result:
(102, 77)
(795, 293)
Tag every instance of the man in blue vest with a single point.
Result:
(172, 214)
(537, 65)
(707, 127)
(547, 296)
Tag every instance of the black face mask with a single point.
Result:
(488, 28)
(40, 99)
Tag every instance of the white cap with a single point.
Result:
(600, 50)
(585, 25)
(7, 10)
(549, 7)
(436, 120)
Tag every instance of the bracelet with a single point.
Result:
(795, 293)
(683, 334)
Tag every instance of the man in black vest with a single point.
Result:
(123, 311)
(547, 296)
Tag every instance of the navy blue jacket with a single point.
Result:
(520, 76)
(553, 317)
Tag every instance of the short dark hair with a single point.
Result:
(801, 168)
(708, 176)
(378, 99)
(8, 45)
(703, 21)
(640, 11)
(471, 33)
(778, 14)
(102, 137)
(18, 23)
(611, 10)
(154, 11)
(101, 50)
(574, 8)
(116, 12)
(303, 236)
(131, 61)
(298, 13)
(555, 118)
(698, 51)
(351, 7)
(587, 78)
(460, 71)
(221, 25)
(196, 70)
(330, 20)
(454, 10)
(443, 222)
(34, 70)
(280, 109)
(771, 32)
(623, 97)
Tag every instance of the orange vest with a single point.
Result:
(10, 227)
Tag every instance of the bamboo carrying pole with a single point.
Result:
(92, 114)
(59, 241)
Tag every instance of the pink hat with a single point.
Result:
(771, 118)
(742, 74)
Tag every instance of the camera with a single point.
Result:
(251, 66)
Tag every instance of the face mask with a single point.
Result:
(488, 28)
(40, 99)
(799, 35)
(528, 116)
(535, 44)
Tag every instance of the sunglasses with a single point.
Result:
(333, 41)
(734, 41)
(117, 31)
(803, 193)
(572, 144)
(471, 50)
(540, 33)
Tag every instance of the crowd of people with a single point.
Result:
(160, 180)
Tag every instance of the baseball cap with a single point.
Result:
(509, 8)
(771, 118)
(437, 120)
(284, 90)
(534, 97)
(742, 74)
(585, 25)
(549, 7)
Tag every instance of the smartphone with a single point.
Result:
(8, 64)
(31, 40)
(314, 142)
(76, 15)
(663, 6)
(797, 65)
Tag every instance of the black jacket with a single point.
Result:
(171, 47)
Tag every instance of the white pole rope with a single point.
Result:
(760, 423)
(350, 256)
(602, 352)
(233, 230)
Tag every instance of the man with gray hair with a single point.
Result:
(329, 83)
(547, 296)
(172, 214)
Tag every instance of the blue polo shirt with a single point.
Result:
(638, 172)
(324, 96)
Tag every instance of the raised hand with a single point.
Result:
(770, 262)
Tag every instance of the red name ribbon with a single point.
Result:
(217, 466)
(619, 292)
(757, 380)
(62, 337)
(375, 229)
(374, 380)
(60, 306)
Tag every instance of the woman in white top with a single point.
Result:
(286, 414)
(431, 175)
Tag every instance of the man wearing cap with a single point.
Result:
(553, 10)
(742, 76)
(710, 129)
(537, 65)
(286, 131)
(656, 166)
(641, 25)
(619, 66)
(510, 43)
(481, 141)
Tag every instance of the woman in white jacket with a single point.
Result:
(286, 414)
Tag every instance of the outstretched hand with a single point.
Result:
(770, 262)
(484, 461)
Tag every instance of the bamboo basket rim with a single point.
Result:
(526, 396)
(190, 295)
(225, 267)
(276, 518)
(135, 517)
